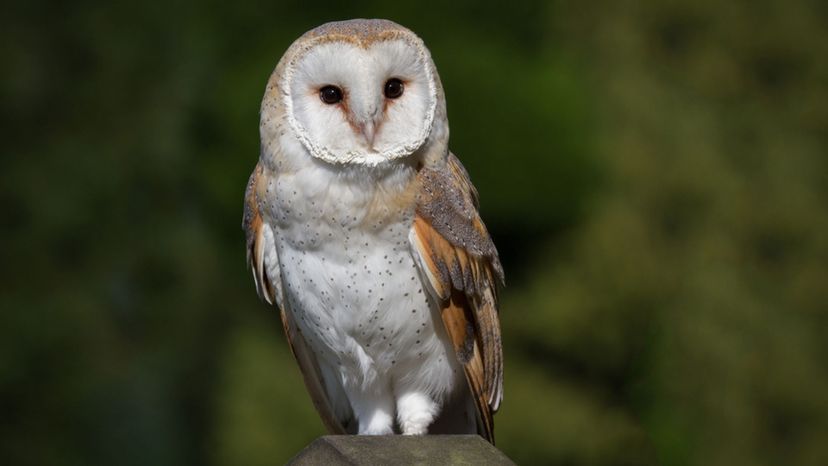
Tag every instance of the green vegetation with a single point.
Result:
(654, 174)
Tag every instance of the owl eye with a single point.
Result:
(330, 95)
(394, 88)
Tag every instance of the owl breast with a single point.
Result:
(350, 281)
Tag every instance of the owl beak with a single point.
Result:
(369, 131)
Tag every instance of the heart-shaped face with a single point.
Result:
(361, 103)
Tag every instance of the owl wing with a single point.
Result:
(457, 256)
(264, 263)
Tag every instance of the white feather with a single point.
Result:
(352, 283)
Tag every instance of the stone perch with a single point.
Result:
(400, 450)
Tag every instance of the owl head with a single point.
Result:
(357, 92)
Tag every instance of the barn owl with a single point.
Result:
(363, 229)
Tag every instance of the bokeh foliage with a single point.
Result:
(654, 174)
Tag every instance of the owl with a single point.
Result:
(363, 229)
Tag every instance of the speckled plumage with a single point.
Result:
(373, 248)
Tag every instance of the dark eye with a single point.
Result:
(394, 88)
(330, 95)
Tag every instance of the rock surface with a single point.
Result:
(400, 450)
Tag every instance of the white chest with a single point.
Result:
(349, 278)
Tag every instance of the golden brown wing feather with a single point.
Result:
(259, 244)
(253, 226)
(460, 261)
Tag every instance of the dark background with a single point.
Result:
(655, 175)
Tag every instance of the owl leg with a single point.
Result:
(374, 413)
(415, 412)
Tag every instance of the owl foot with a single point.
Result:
(415, 412)
(379, 424)
(375, 417)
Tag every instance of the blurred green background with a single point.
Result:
(655, 175)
